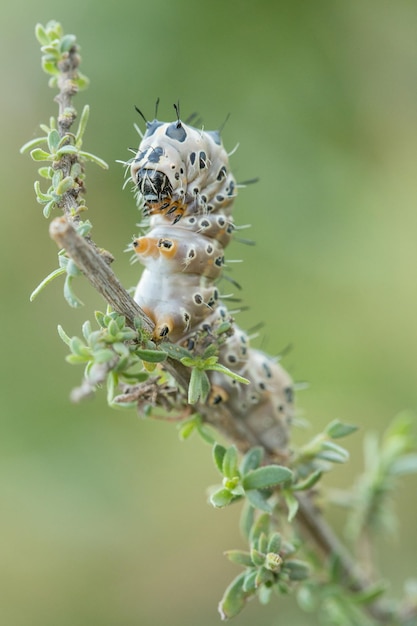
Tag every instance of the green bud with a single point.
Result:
(273, 561)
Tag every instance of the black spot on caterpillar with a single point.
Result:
(185, 186)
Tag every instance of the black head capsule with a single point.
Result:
(153, 185)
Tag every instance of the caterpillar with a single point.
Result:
(186, 189)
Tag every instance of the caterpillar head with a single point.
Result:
(181, 170)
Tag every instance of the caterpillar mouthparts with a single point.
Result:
(186, 189)
(153, 185)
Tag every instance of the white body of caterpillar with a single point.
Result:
(186, 188)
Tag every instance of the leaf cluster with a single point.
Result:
(199, 386)
(64, 175)
(386, 460)
(112, 354)
(55, 47)
(269, 566)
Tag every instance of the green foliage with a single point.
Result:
(61, 149)
(55, 46)
(317, 455)
(247, 479)
(199, 387)
(62, 178)
(113, 353)
(269, 564)
(370, 500)
(195, 424)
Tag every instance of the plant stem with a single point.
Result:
(311, 522)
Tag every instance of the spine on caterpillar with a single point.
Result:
(185, 186)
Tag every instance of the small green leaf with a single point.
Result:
(267, 476)
(190, 361)
(86, 330)
(50, 50)
(260, 526)
(258, 500)
(94, 158)
(174, 351)
(230, 463)
(262, 543)
(46, 281)
(65, 338)
(292, 504)
(82, 81)
(72, 269)
(199, 386)
(205, 433)
(186, 429)
(274, 543)
(221, 498)
(29, 145)
(225, 370)
(307, 598)
(297, 570)
(252, 460)
(78, 347)
(151, 356)
(308, 483)
(218, 456)
(246, 519)
(66, 184)
(50, 66)
(53, 140)
(41, 197)
(67, 149)
(102, 356)
(258, 558)
(67, 42)
(333, 452)
(46, 172)
(75, 359)
(240, 557)
(406, 464)
(69, 295)
(40, 155)
(249, 584)
(265, 593)
(234, 598)
(100, 318)
(48, 208)
(41, 35)
(82, 126)
(111, 386)
(371, 593)
(195, 386)
(263, 576)
(337, 429)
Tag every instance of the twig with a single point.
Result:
(103, 279)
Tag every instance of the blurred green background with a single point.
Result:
(104, 517)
